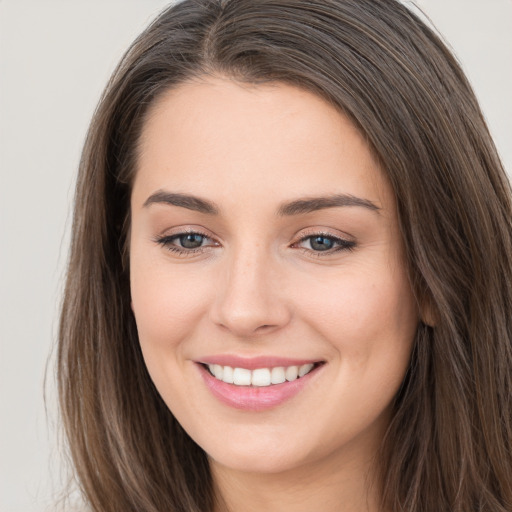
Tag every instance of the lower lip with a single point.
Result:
(254, 398)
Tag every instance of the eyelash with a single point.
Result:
(166, 241)
(342, 244)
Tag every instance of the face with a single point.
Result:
(273, 308)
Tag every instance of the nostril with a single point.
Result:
(264, 327)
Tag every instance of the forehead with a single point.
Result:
(228, 139)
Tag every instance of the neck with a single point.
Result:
(330, 486)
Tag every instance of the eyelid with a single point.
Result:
(322, 231)
(167, 238)
(185, 230)
(343, 241)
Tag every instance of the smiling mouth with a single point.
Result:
(260, 377)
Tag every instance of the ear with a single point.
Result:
(428, 311)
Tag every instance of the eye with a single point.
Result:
(186, 243)
(190, 240)
(321, 243)
(325, 243)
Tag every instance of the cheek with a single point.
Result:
(369, 321)
(168, 309)
(366, 315)
(167, 306)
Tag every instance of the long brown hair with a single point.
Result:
(449, 445)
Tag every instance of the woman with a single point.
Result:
(290, 279)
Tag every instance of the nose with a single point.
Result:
(250, 299)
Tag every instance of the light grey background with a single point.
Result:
(55, 57)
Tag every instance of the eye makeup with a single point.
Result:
(191, 242)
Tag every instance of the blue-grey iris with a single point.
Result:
(191, 240)
(321, 243)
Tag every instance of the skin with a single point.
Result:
(258, 287)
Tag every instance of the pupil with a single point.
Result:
(321, 243)
(191, 241)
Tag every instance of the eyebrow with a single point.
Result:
(308, 205)
(296, 207)
(184, 201)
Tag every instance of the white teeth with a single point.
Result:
(218, 371)
(305, 368)
(261, 377)
(292, 372)
(228, 375)
(242, 377)
(277, 375)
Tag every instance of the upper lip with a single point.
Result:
(252, 363)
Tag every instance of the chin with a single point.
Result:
(275, 452)
(256, 462)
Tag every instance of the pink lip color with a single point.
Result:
(253, 398)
